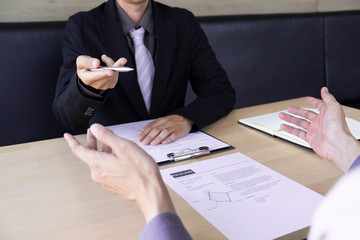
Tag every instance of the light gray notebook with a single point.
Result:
(270, 123)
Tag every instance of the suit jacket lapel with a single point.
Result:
(164, 52)
(116, 46)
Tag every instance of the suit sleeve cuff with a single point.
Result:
(90, 91)
(355, 164)
(165, 226)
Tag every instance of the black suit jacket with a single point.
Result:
(182, 54)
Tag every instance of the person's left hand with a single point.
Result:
(327, 132)
(165, 130)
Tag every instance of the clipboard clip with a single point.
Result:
(189, 153)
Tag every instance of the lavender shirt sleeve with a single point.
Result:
(163, 227)
(355, 164)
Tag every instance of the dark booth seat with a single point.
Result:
(29, 63)
(342, 50)
(267, 58)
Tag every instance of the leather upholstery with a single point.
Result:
(267, 57)
(270, 58)
(29, 67)
(342, 50)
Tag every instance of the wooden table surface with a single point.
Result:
(46, 193)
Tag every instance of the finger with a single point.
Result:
(120, 62)
(110, 62)
(71, 141)
(91, 141)
(164, 134)
(310, 115)
(295, 131)
(143, 134)
(79, 150)
(294, 120)
(86, 62)
(150, 136)
(326, 96)
(316, 103)
(91, 78)
(121, 147)
(107, 60)
(170, 138)
(149, 127)
(107, 137)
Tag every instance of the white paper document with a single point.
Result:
(242, 198)
(189, 143)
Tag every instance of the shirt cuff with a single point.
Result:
(165, 226)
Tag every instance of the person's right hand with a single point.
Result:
(326, 132)
(101, 80)
(125, 169)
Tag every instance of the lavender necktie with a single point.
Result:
(144, 65)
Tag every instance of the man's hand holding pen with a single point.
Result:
(163, 130)
(102, 80)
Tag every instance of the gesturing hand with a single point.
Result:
(125, 169)
(326, 132)
(102, 80)
(165, 130)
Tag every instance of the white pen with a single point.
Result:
(118, 69)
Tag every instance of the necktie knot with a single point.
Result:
(137, 35)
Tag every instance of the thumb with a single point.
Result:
(327, 96)
(106, 136)
(120, 146)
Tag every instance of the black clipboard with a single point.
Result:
(195, 152)
(192, 145)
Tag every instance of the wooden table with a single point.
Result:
(46, 193)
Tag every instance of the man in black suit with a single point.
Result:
(180, 53)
